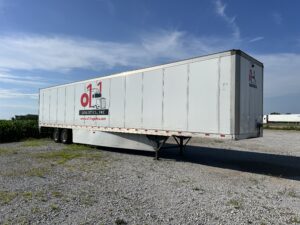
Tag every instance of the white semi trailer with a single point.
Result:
(281, 118)
(213, 96)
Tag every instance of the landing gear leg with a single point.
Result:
(180, 142)
(181, 146)
(159, 142)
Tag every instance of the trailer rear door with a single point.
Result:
(251, 97)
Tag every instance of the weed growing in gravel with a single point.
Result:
(6, 197)
(292, 193)
(60, 157)
(235, 203)
(35, 210)
(185, 181)
(294, 220)
(37, 172)
(32, 172)
(75, 147)
(87, 199)
(20, 220)
(31, 142)
(54, 207)
(254, 180)
(282, 127)
(56, 194)
(8, 151)
(41, 195)
(3, 151)
(218, 141)
(68, 153)
(282, 192)
(27, 195)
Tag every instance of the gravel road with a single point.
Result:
(255, 181)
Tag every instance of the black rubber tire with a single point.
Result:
(66, 136)
(56, 135)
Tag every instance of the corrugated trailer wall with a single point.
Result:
(196, 96)
(191, 97)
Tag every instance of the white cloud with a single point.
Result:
(220, 7)
(19, 106)
(220, 10)
(256, 39)
(16, 94)
(282, 74)
(57, 53)
(22, 80)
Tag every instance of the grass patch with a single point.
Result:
(254, 180)
(289, 192)
(60, 157)
(282, 127)
(41, 196)
(35, 210)
(70, 152)
(292, 193)
(6, 197)
(8, 151)
(32, 142)
(75, 147)
(54, 207)
(218, 141)
(37, 172)
(87, 199)
(184, 181)
(235, 203)
(32, 172)
(20, 220)
(4, 151)
(27, 195)
(56, 194)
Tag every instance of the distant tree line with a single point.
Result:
(25, 117)
(19, 127)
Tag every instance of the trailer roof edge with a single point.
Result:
(123, 73)
(245, 55)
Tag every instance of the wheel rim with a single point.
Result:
(56, 135)
(65, 136)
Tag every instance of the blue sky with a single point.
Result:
(44, 43)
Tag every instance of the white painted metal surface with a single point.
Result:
(115, 140)
(218, 95)
(251, 97)
(282, 118)
(265, 119)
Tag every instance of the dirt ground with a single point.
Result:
(254, 181)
